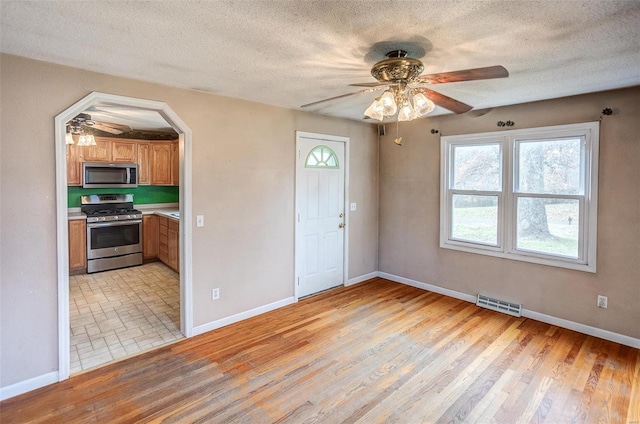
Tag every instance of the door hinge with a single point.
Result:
(298, 218)
(298, 154)
(298, 280)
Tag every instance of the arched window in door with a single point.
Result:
(322, 157)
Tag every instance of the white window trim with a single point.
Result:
(506, 201)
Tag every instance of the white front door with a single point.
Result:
(320, 214)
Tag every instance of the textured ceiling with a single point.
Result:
(289, 53)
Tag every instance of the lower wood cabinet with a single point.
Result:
(149, 236)
(169, 242)
(77, 246)
(173, 245)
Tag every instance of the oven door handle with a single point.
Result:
(113, 223)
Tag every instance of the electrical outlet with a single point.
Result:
(215, 294)
(602, 301)
(353, 207)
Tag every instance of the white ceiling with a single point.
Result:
(289, 53)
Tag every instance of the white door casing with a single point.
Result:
(320, 213)
(186, 297)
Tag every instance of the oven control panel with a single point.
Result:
(110, 218)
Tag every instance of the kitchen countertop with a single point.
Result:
(76, 215)
(169, 211)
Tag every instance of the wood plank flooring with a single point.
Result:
(377, 352)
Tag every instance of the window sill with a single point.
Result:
(559, 263)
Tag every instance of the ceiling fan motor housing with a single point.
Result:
(397, 68)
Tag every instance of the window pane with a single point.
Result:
(322, 157)
(548, 226)
(550, 166)
(477, 167)
(475, 218)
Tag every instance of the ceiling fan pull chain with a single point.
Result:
(398, 140)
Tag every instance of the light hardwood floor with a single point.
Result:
(377, 352)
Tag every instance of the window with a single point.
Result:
(528, 194)
(322, 157)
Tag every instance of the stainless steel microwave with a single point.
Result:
(109, 175)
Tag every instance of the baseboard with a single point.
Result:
(28, 385)
(361, 278)
(429, 287)
(200, 329)
(560, 322)
(583, 328)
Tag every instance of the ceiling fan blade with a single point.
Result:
(466, 75)
(446, 102)
(368, 84)
(368, 90)
(110, 130)
(124, 128)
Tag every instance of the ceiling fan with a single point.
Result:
(76, 125)
(406, 90)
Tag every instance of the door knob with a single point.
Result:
(341, 225)
(341, 215)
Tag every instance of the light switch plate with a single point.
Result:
(353, 207)
(200, 221)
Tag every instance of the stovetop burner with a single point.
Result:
(109, 207)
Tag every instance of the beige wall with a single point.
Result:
(410, 214)
(243, 182)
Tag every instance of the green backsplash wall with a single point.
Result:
(142, 195)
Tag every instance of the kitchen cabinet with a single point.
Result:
(173, 244)
(160, 160)
(144, 171)
(123, 151)
(74, 168)
(77, 246)
(175, 163)
(101, 152)
(149, 237)
(169, 242)
(163, 230)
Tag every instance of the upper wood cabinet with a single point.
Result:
(158, 161)
(144, 171)
(101, 152)
(74, 170)
(123, 151)
(161, 163)
(175, 163)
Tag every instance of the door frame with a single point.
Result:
(296, 247)
(185, 148)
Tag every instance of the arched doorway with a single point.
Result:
(185, 144)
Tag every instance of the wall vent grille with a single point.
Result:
(499, 305)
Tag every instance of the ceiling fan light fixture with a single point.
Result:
(389, 103)
(375, 110)
(406, 112)
(422, 105)
(86, 139)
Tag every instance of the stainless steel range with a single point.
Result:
(114, 231)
